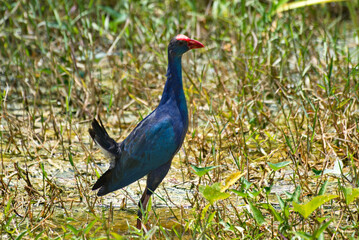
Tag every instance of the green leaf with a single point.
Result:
(202, 171)
(118, 17)
(321, 229)
(44, 173)
(254, 194)
(239, 193)
(9, 220)
(321, 219)
(277, 166)
(323, 188)
(71, 160)
(283, 206)
(281, 202)
(307, 208)
(204, 211)
(343, 103)
(246, 184)
(304, 235)
(276, 215)
(21, 235)
(317, 172)
(39, 235)
(117, 236)
(98, 175)
(350, 194)
(72, 229)
(210, 217)
(89, 226)
(288, 142)
(296, 194)
(8, 206)
(213, 193)
(321, 86)
(258, 216)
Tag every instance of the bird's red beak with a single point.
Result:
(191, 42)
(194, 44)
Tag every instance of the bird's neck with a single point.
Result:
(174, 88)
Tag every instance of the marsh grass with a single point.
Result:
(273, 96)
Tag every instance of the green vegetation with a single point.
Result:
(273, 142)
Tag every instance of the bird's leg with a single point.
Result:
(142, 206)
(154, 178)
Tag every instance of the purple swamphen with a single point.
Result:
(150, 147)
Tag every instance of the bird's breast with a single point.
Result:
(178, 114)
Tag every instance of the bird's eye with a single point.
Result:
(181, 43)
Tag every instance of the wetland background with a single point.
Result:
(273, 98)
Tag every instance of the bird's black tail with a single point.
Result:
(101, 137)
(101, 183)
(110, 147)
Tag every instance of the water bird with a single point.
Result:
(151, 146)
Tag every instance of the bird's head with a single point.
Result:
(181, 44)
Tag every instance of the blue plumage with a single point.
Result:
(150, 147)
